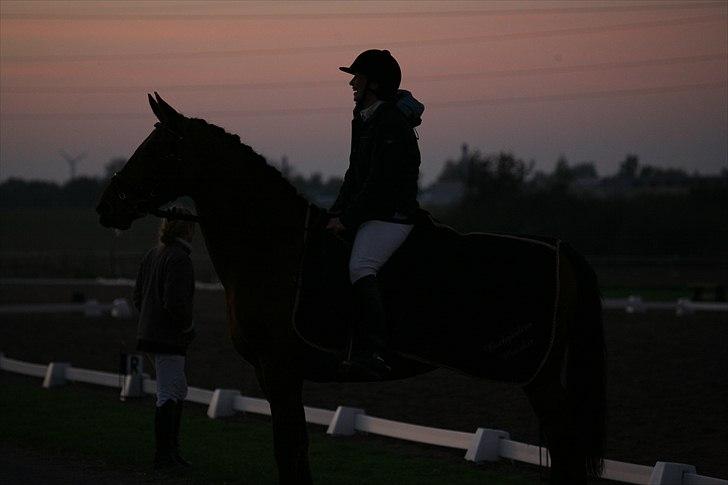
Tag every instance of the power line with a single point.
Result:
(360, 15)
(339, 110)
(599, 66)
(161, 56)
(614, 93)
(669, 61)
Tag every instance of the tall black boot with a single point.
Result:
(370, 344)
(175, 435)
(164, 425)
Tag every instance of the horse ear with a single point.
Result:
(155, 108)
(169, 111)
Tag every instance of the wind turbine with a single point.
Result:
(72, 161)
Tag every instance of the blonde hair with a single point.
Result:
(171, 229)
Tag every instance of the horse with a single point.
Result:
(258, 228)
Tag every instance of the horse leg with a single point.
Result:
(283, 388)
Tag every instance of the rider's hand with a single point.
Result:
(334, 225)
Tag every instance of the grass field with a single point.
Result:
(92, 424)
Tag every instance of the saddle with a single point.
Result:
(481, 303)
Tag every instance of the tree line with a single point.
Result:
(640, 210)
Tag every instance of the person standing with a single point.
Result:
(378, 198)
(163, 295)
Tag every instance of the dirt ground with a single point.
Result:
(667, 376)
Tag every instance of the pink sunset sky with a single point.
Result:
(592, 81)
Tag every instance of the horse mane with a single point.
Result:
(231, 143)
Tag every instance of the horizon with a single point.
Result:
(589, 81)
(723, 172)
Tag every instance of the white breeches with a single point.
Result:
(171, 380)
(374, 244)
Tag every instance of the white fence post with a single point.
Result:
(55, 374)
(221, 404)
(684, 307)
(635, 304)
(343, 422)
(133, 371)
(92, 308)
(486, 445)
(666, 473)
(120, 308)
(133, 386)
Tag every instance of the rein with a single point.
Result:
(170, 215)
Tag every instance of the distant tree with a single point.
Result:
(487, 176)
(584, 170)
(81, 192)
(654, 176)
(315, 188)
(16, 193)
(562, 176)
(628, 168)
(113, 166)
(459, 170)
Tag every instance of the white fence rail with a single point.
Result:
(412, 432)
(683, 306)
(200, 285)
(119, 308)
(483, 445)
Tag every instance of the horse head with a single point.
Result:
(159, 171)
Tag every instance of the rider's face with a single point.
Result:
(362, 87)
(358, 84)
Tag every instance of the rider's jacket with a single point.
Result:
(381, 181)
(163, 296)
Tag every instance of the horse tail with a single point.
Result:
(586, 363)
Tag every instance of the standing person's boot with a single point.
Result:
(175, 435)
(164, 424)
(369, 349)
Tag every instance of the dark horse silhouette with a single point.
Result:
(279, 268)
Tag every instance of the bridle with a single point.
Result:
(144, 204)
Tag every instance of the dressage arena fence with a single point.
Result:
(483, 445)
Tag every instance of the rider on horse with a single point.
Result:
(378, 199)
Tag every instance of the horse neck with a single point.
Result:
(248, 217)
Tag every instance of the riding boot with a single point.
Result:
(164, 425)
(175, 435)
(370, 345)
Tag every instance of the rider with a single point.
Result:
(378, 198)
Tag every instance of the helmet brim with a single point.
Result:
(347, 70)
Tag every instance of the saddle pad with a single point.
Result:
(483, 304)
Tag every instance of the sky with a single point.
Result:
(591, 81)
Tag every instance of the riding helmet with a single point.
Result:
(378, 66)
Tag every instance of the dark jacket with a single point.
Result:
(381, 181)
(163, 296)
